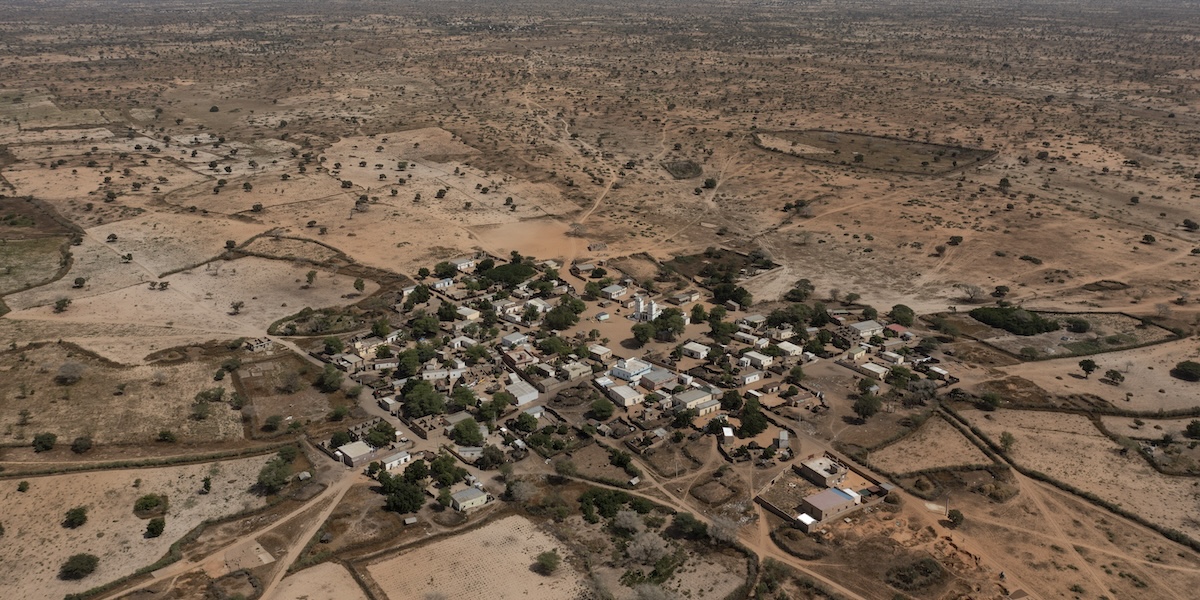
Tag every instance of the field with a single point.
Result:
(1109, 332)
(882, 153)
(498, 556)
(1070, 449)
(151, 398)
(36, 544)
(326, 581)
(27, 263)
(935, 445)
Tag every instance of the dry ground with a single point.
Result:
(496, 561)
(326, 581)
(37, 544)
(1070, 449)
(936, 444)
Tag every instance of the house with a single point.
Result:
(545, 370)
(657, 379)
(630, 369)
(356, 454)
(685, 297)
(514, 339)
(464, 500)
(727, 436)
(709, 407)
(259, 344)
(867, 329)
(406, 291)
(783, 333)
(745, 338)
(535, 411)
(366, 346)
(823, 471)
(789, 349)
(623, 395)
(758, 360)
(599, 352)
(463, 264)
(829, 503)
(695, 350)
(573, 370)
(471, 453)
(519, 358)
(522, 391)
(614, 291)
(874, 371)
(582, 269)
(395, 460)
(540, 305)
(753, 322)
(897, 329)
(349, 363)
(388, 403)
(892, 358)
(693, 398)
(467, 313)
(461, 342)
(938, 373)
(443, 284)
(856, 353)
(749, 378)
(782, 441)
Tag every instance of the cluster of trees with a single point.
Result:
(278, 471)
(1187, 370)
(405, 493)
(666, 327)
(1014, 320)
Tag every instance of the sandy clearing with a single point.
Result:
(935, 444)
(1148, 384)
(1150, 429)
(36, 544)
(1070, 449)
(492, 562)
(326, 581)
(164, 242)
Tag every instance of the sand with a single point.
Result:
(495, 561)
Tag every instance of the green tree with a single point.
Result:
(643, 333)
(731, 401)
(903, 315)
(331, 379)
(547, 562)
(669, 325)
(955, 517)
(360, 285)
(75, 517)
(698, 314)
(795, 375)
(866, 406)
(273, 423)
(78, 566)
(602, 409)
(274, 475)
(1088, 366)
(1114, 376)
(405, 498)
(1006, 441)
(310, 277)
(1193, 429)
(155, 527)
(560, 317)
(44, 442)
(466, 433)
(334, 345)
(81, 445)
(753, 421)
(61, 304)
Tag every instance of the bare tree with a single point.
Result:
(723, 530)
(647, 547)
(521, 491)
(629, 521)
(970, 291)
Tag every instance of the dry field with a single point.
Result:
(326, 581)
(936, 444)
(493, 561)
(1147, 429)
(27, 263)
(1070, 449)
(91, 407)
(36, 544)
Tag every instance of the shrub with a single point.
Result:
(155, 527)
(1187, 370)
(78, 566)
(75, 517)
(149, 503)
(547, 562)
(44, 442)
(921, 574)
(81, 445)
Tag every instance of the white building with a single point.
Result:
(695, 350)
(789, 349)
(751, 377)
(645, 309)
(614, 291)
(522, 391)
(630, 369)
(624, 395)
(463, 264)
(396, 460)
(758, 360)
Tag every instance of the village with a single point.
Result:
(474, 369)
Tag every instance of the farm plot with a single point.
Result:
(869, 151)
(165, 242)
(36, 544)
(112, 405)
(499, 556)
(326, 581)
(1070, 449)
(97, 263)
(26, 263)
(266, 188)
(937, 444)
(1104, 332)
